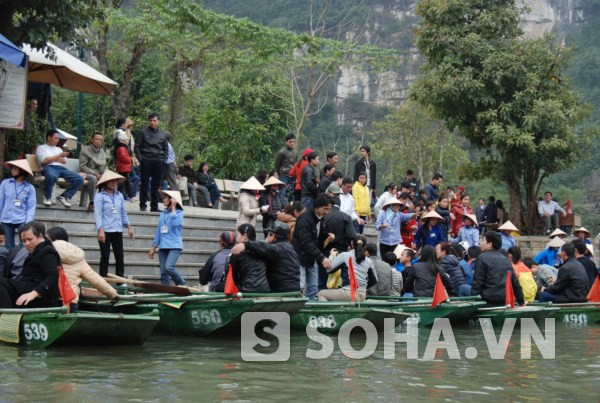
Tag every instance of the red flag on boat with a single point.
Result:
(230, 287)
(594, 294)
(352, 277)
(510, 294)
(64, 287)
(439, 292)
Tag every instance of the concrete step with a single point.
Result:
(140, 254)
(151, 270)
(88, 239)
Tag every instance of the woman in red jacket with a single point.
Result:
(123, 164)
(457, 213)
(296, 172)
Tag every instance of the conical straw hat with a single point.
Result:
(392, 201)
(109, 175)
(582, 229)
(252, 184)
(555, 242)
(557, 232)
(433, 214)
(173, 194)
(509, 226)
(471, 217)
(21, 164)
(399, 249)
(273, 181)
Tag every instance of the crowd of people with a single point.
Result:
(312, 219)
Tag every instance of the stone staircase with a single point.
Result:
(201, 230)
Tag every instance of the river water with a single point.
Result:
(211, 369)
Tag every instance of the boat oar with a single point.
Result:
(61, 309)
(149, 286)
(393, 297)
(189, 298)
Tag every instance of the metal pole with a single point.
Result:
(79, 110)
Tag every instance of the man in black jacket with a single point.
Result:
(489, 279)
(588, 264)
(308, 231)
(367, 165)
(283, 268)
(571, 284)
(151, 149)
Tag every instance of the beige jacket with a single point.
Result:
(77, 269)
(248, 209)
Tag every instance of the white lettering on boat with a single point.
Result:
(35, 331)
(206, 317)
(576, 319)
(322, 322)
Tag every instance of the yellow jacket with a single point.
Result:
(362, 202)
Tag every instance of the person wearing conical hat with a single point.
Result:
(583, 234)
(248, 204)
(168, 237)
(389, 223)
(431, 232)
(550, 255)
(111, 217)
(507, 239)
(468, 232)
(558, 233)
(17, 199)
(274, 199)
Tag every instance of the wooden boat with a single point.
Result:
(200, 314)
(329, 316)
(51, 327)
(582, 314)
(497, 315)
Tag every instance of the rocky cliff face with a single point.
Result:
(399, 18)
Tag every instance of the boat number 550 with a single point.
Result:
(34, 331)
(206, 317)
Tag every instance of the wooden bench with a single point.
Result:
(38, 181)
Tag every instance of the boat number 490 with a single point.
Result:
(578, 319)
(35, 331)
(206, 317)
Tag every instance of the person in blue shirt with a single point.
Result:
(468, 232)
(168, 237)
(507, 239)
(17, 200)
(388, 224)
(549, 255)
(110, 216)
(431, 232)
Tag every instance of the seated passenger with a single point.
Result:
(451, 266)
(550, 255)
(389, 280)
(421, 281)
(468, 232)
(75, 267)
(571, 285)
(37, 285)
(507, 239)
(363, 271)
(581, 248)
(526, 279)
(213, 272)
(283, 267)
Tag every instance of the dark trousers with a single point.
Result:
(116, 240)
(152, 170)
(11, 290)
(125, 186)
(383, 249)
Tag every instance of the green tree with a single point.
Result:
(39, 21)
(506, 95)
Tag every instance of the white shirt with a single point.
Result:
(347, 205)
(44, 151)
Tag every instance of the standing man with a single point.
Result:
(548, 210)
(326, 177)
(491, 267)
(92, 162)
(310, 180)
(411, 179)
(433, 189)
(285, 160)
(347, 202)
(151, 149)
(332, 158)
(52, 159)
(367, 166)
(309, 230)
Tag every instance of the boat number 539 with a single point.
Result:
(34, 331)
(206, 317)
